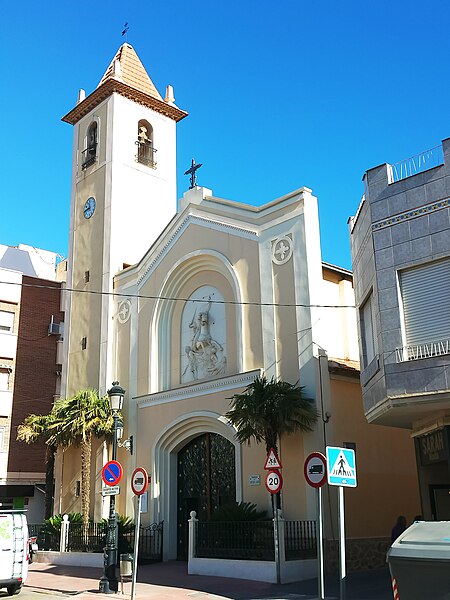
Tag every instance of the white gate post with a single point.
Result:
(64, 534)
(192, 537)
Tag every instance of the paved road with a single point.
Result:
(366, 585)
(170, 581)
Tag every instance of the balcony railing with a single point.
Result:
(418, 163)
(88, 156)
(418, 351)
(146, 154)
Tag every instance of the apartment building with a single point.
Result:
(400, 239)
(30, 357)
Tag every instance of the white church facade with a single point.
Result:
(198, 300)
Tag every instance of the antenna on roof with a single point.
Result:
(125, 31)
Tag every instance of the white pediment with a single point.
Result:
(160, 250)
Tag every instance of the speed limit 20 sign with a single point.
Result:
(274, 482)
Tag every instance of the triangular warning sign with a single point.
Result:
(341, 467)
(272, 461)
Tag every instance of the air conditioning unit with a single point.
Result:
(55, 328)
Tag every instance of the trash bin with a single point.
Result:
(419, 561)
(126, 565)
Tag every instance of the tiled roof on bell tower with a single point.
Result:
(131, 72)
(126, 76)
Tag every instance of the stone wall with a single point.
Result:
(361, 554)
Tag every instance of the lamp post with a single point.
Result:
(108, 582)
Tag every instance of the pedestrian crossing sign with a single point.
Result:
(341, 466)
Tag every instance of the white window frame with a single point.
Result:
(4, 377)
(4, 326)
(368, 303)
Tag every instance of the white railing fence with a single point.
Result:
(418, 351)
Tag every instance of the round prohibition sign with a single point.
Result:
(112, 472)
(139, 481)
(315, 469)
(274, 482)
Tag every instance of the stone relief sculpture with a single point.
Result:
(204, 354)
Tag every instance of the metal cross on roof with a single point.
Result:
(192, 172)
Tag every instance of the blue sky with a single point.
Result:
(279, 94)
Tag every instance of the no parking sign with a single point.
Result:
(112, 472)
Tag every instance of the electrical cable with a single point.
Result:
(173, 299)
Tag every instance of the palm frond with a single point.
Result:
(266, 410)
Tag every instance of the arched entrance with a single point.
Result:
(206, 479)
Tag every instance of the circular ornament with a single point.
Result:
(124, 311)
(282, 250)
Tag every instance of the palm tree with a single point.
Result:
(266, 410)
(74, 421)
(35, 428)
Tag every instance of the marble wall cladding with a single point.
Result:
(390, 339)
(377, 392)
(439, 220)
(390, 319)
(421, 248)
(380, 209)
(384, 258)
(440, 243)
(419, 227)
(397, 204)
(382, 238)
(386, 278)
(435, 190)
(388, 298)
(400, 233)
(402, 253)
(421, 376)
(409, 225)
(415, 197)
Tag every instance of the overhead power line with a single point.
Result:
(173, 299)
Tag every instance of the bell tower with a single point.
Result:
(123, 194)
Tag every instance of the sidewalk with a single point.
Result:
(170, 581)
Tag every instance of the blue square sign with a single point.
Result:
(341, 466)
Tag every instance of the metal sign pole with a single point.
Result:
(136, 545)
(342, 573)
(277, 540)
(320, 545)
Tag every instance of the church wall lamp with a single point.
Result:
(128, 443)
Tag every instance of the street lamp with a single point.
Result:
(108, 582)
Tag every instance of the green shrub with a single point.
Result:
(52, 526)
(239, 511)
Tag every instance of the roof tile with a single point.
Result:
(132, 73)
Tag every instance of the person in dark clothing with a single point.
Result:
(398, 528)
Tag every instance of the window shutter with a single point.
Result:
(426, 302)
